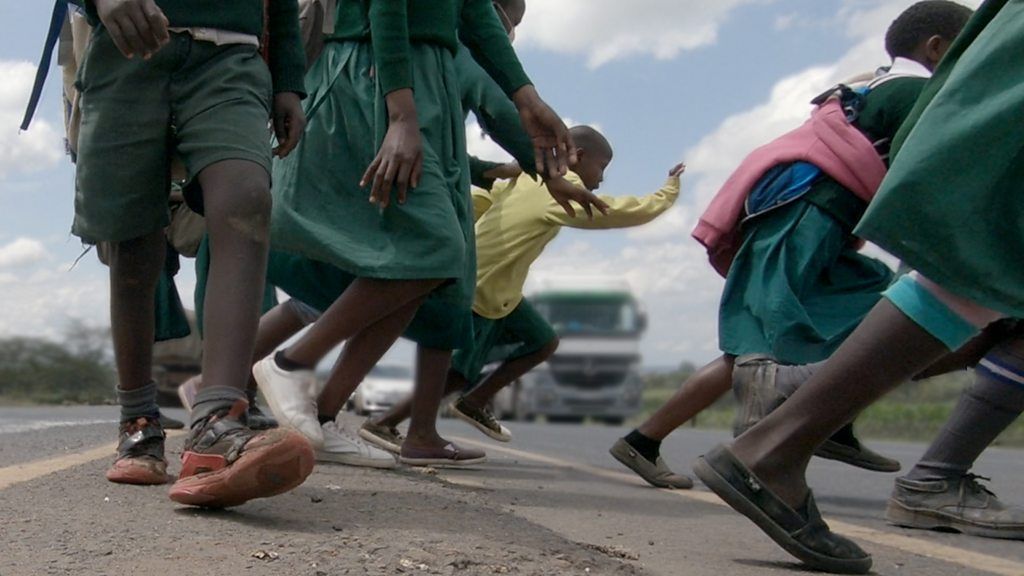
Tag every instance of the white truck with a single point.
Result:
(596, 370)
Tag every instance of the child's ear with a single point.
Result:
(935, 48)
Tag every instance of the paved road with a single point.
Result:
(551, 502)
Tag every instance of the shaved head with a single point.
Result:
(516, 9)
(591, 141)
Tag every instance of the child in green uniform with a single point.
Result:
(318, 283)
(515, 223)
(421, 244)
(179, 75)
(798, 285)
(950, 207)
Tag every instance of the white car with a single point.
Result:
(383, 387)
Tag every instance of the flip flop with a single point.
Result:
(808, 539)
(450, 456)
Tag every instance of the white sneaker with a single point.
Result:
(343, 447)
(291, 397)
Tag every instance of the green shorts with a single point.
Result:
(519, 334)
(208, 103)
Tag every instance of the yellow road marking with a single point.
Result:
(28, 471)
(949, 554)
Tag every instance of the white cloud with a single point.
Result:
(41, 146)
(606, 30)
(41, 295)
(480, 145)
(22, 252)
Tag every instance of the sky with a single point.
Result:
(699, 81)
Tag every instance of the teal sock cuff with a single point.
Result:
(930, 313)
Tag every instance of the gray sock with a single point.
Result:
(211, 399)
(139, 402)
(986, 408)
(789, 378)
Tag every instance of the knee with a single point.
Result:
(243, 209)
(549, 349)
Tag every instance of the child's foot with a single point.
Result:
(140, 453)
(482, 419)
(958, 504)
(656, 473)
(291, 396)
(444, 456)
(259, 420)
(387, 437)
(343, 447)
(226, 463)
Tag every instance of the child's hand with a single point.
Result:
(135, 26)
(399, 162)
(564, 191)
(677, 170)
(506, 171)
(289, 122)
(554, 150)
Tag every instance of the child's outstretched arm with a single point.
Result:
(626, 211)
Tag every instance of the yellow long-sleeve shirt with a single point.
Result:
(516, 221)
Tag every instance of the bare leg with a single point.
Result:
(276, 326)
(885, 350)
(365, 302)
(361, 353)
(134, 270)
(506, 373)
(431, 374)
(699, 391)
(237, 200)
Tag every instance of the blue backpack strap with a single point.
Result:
(60, 14)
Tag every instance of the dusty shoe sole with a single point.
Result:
(261, 472)
(355, 460)
(442, 462)
(926, 519)
(484, 429)
(139, 471)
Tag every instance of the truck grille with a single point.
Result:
(590, 371)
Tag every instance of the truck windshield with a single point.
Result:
(589, 315)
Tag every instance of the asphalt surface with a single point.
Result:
(550, 502)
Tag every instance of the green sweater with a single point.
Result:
(495, 113)
(287, 59)
(393, 24)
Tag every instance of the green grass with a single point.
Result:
(915, 411)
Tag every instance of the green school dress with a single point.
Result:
(321, 213)
(952, 206)
(798, 286)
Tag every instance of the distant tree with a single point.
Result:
(78, 371)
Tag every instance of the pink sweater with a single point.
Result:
(826, 140)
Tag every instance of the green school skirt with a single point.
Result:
(320, 211)
(797, 287)
(952, 205)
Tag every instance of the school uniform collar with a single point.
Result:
(908, 67)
